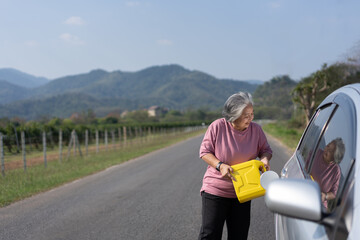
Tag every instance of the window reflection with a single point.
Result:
(332, 158)
(326, 170)
(313, 134)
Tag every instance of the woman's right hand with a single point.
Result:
(226, 171)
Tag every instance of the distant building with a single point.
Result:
(156, 111)
(75, 117)
(124, 113)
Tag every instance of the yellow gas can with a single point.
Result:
(247, 185)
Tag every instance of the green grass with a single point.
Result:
(17, 184)
(287, 135)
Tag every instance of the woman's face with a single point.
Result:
(245, 119)
(329, 152)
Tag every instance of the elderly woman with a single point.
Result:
(326, 171)
(230, 140)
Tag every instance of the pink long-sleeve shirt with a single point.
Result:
(327, 175)
(231, 147)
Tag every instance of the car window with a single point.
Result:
(312, 135)
(333, 156)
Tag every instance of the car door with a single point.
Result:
(331, 131)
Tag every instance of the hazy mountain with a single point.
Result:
(171, 81)
(170, 86)
(75, 83)
(257, 82)
(21, 79)
(62, 106)
(10, 92)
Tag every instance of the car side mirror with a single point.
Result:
(295, 198)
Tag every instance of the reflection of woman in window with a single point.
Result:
(326, 171)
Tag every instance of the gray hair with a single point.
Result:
(235, 105)
(340, 150)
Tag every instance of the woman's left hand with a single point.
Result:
(265, 158)
(266, 164)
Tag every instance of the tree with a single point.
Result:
(4, 122)
(55, 122)
(139, 116)
(110, 120)
(312, 90)
(306, 92)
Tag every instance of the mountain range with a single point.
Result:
(21, 79)
(170, 86)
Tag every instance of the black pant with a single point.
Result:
(216, 210)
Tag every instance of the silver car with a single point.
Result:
(318, 194)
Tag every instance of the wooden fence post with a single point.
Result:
(106, 139)
(23, 148)
(60, 145)
(44, 148)
(97, 140)
(2, 155)
(130, 136)
(70, 144)
(17, 140)
(119, 131)
(86, 142)
(74, 141)
(125, 135)
(113, 138)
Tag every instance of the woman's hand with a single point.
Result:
(327, 196)
(226, 171)
(323, 196)
(265, 158)
(266, 164)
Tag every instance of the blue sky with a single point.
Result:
(243, 40)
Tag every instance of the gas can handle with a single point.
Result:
(261, 164)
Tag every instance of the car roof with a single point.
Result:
(352, 90)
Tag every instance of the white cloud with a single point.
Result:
(75, 21)
(132, 3)
(165, 42)
(72, 39)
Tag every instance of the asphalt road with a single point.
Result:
(152, 197)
